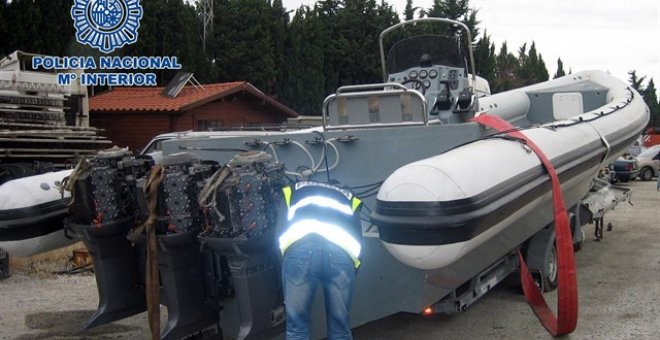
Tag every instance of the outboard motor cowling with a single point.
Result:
(242, 202)
(180, 260)
(102, 213)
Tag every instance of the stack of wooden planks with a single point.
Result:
(34, 127)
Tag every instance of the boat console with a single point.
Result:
(435, 66)
(426, 81)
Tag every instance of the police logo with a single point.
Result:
(106, 24)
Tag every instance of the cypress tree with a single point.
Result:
(635, 81)
(351, 30)
(507, 70)
(304, 86)
(243, 43)
(456, 10)
(532, 67)
(279, 29)
(299, 59)
(560, 69)
(54, 27)
(484, 55)
(649, 94)
(335, 44)
(451, 9)
(541, 72)
(651, 99)
(361, 22)
(409, 12)
(172, 28)
(470, 20)
(22, 23)
(524, 71)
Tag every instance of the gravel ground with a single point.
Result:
(618, 277)
(56, 308)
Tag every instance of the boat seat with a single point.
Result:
(374, 106)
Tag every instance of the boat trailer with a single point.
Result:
(603, 197)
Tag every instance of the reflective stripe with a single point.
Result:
(356, 203)
(320, 201)
(330, 232)
(302, 184)
(287, 196)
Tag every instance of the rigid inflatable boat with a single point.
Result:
(447, 202)
(32, 211)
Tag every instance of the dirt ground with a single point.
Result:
(35, 303)
(618, 277)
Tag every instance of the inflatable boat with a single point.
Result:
(447, 202)
(32, 211)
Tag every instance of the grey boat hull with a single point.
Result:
(368, 155)
(241, 276)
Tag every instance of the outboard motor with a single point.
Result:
(180, 261)
(241, 202)
(103, 211)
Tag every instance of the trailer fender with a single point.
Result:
(542, 258)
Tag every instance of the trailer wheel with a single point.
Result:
(550, 277)
(542, 259)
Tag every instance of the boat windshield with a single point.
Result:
(407, 53)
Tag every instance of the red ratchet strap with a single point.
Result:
(567, 301)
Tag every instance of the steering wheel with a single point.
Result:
(416, 81)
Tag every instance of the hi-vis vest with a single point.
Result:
(326, 210)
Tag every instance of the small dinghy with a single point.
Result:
(32, 210)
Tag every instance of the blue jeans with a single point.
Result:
(308, 263)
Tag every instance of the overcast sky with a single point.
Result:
(609, 35)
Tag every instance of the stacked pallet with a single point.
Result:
(41, 120)
(34, 128)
